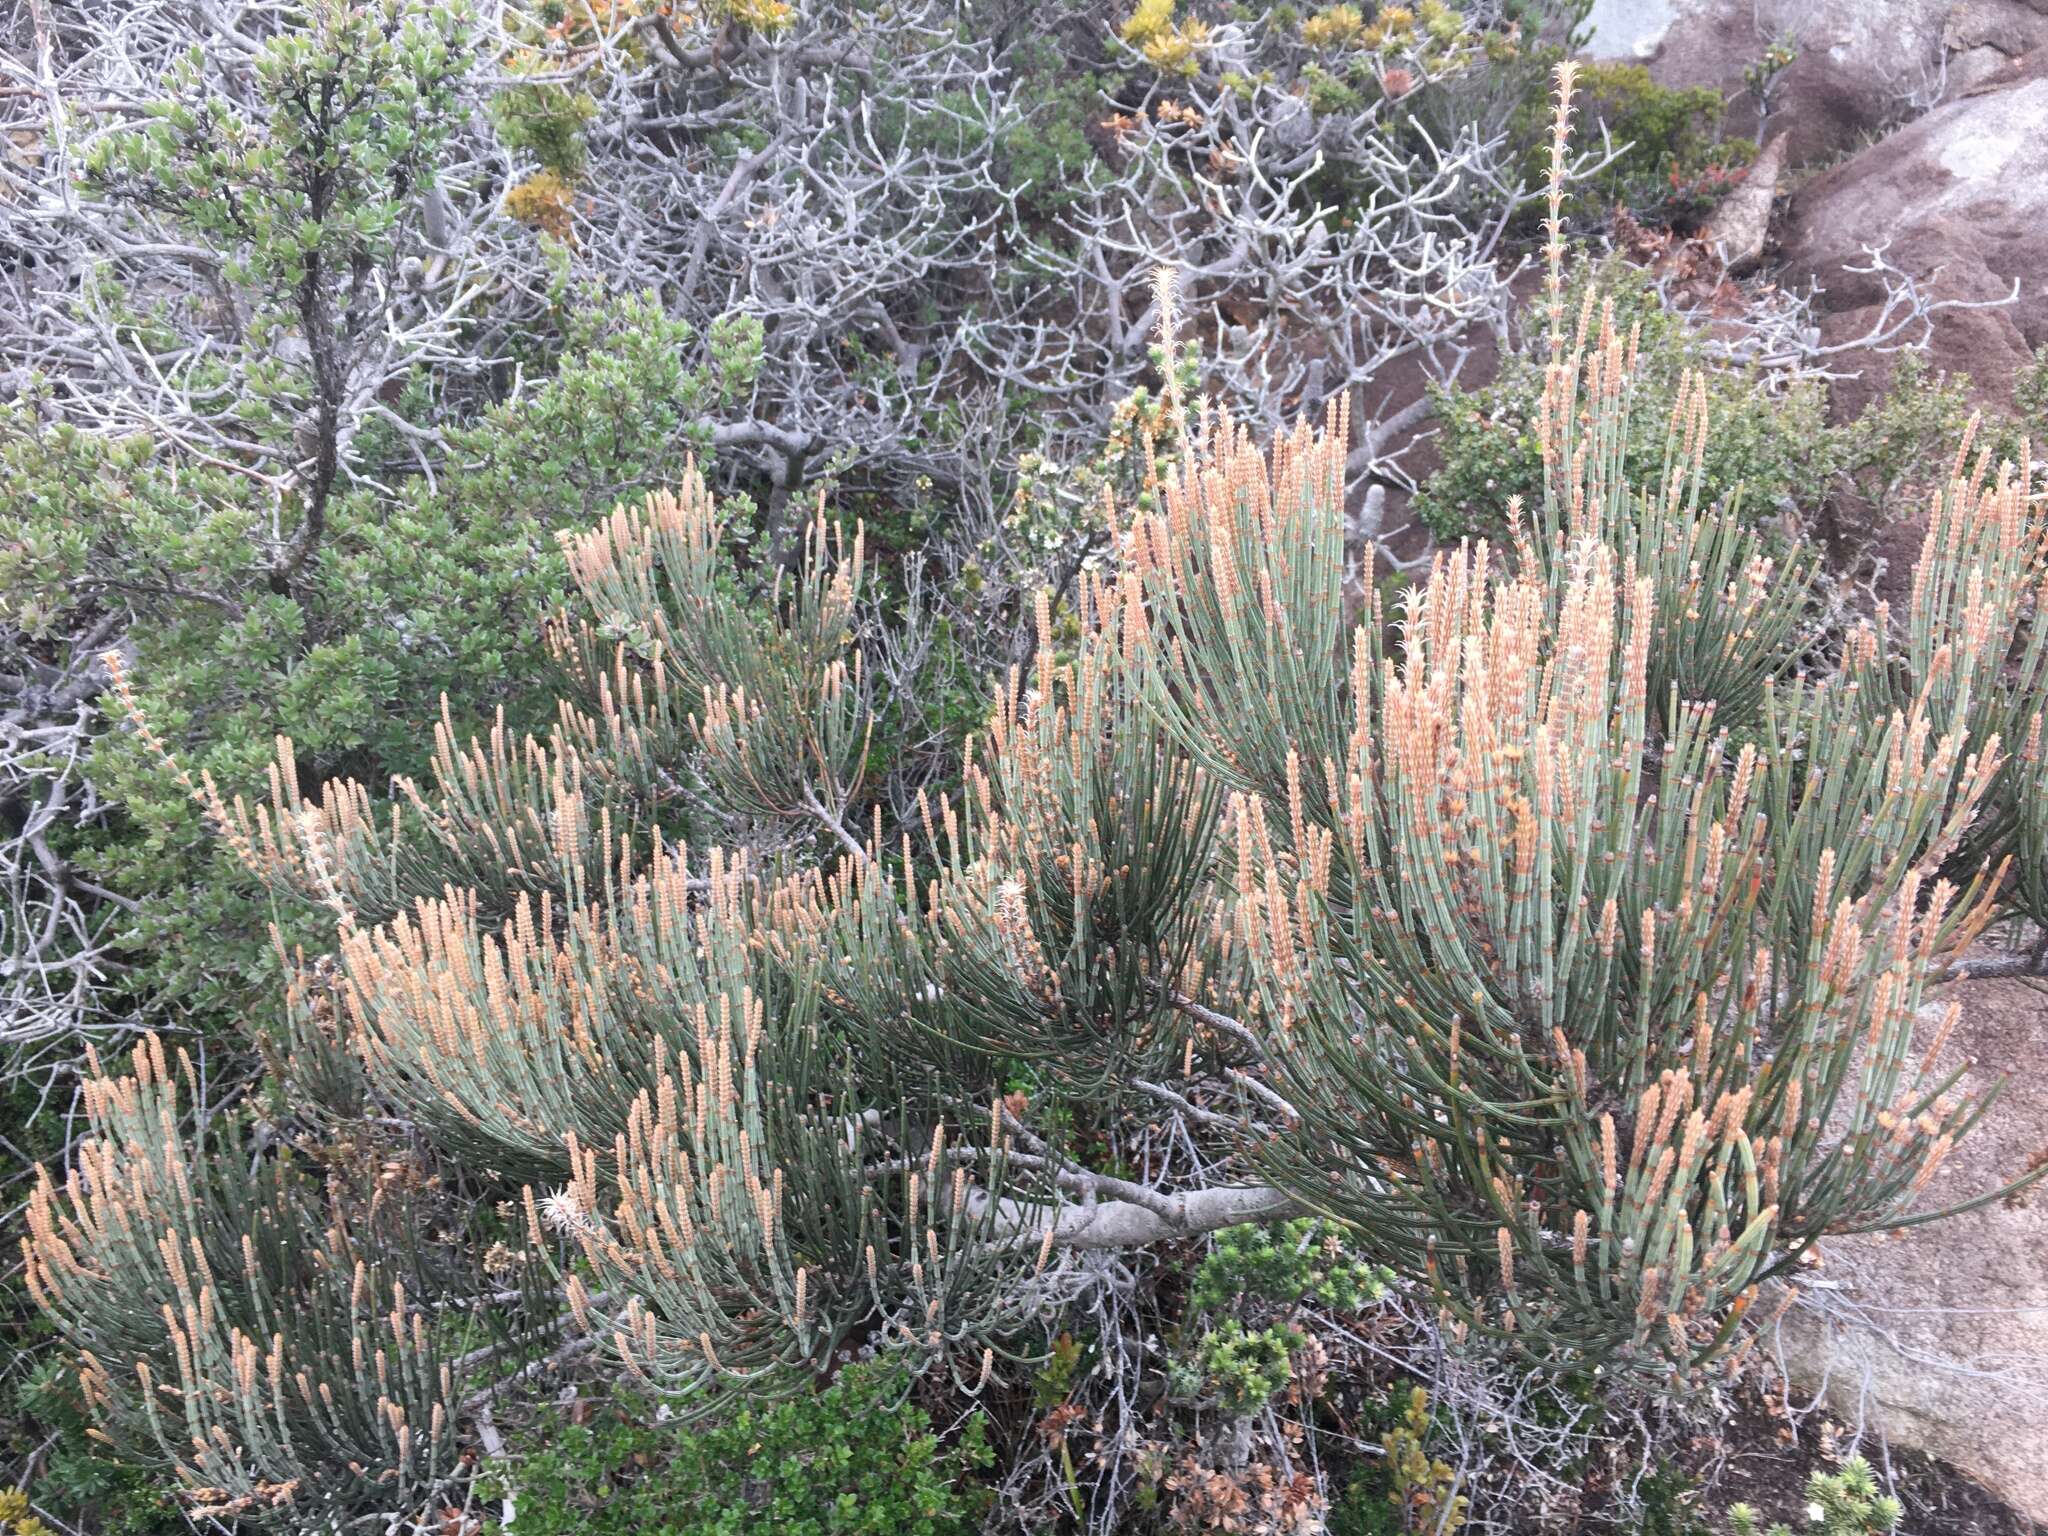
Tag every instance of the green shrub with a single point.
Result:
(1451, 920)
(1895, 455)
(77, 1477)
(439, 587)
(1665, 1503)
(546, 121)
(1672, 162)
(1844, 1503)
(857, 1459)
(1044, 151)
(1284, 1263)
(1407, 1489)
(1760, 445)
(1240, 1367)
(16, 1519)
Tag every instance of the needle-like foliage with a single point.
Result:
(1569, 935)
(230, 1325)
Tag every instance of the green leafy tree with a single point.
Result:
(306, 524)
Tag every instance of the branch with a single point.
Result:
(1222, 1023)
(1127, 1224)
(478, 1402)
(1998, 967)
(832, 824)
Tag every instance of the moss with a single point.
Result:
(543, 202)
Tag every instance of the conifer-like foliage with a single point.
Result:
(261, 1341)
(1566, 933)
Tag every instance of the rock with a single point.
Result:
(1744, 217)
(1937, 1336)
(1295, 123)
(1630, 29)
(1959, 200)
(1863, 65)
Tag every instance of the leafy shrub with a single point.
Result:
(856, 1459)
(546, 122)
(1285, 1263)
(1055, 1378)
(1170, 44)
(1241, 1368)
(15, 1516)
(1844, 1503)
(1892, 458)
(438, 589)
(1489, 435)
(1760, 79)
(79, 1478)
(1666, 1500)
(1046, 156)
(1673, 161)
(1407, 1490)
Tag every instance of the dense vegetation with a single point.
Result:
(733, 797)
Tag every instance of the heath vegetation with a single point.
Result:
(752, 783)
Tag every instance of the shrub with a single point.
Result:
(858, 1458)
(1406, 1490)
(225, 1328)
(1667, 1502)
(1673, 161)
(79, 1478)
(323, 524)
(1196, 854)
(1170, 44)
(300, 291)
(1045, 151)
(1241, 1368)
(1844, 1503)
(1896, 456)
(1489, 437)
(15, 1516)
(1556, 944)
(439, 589)
(1284, 1264)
